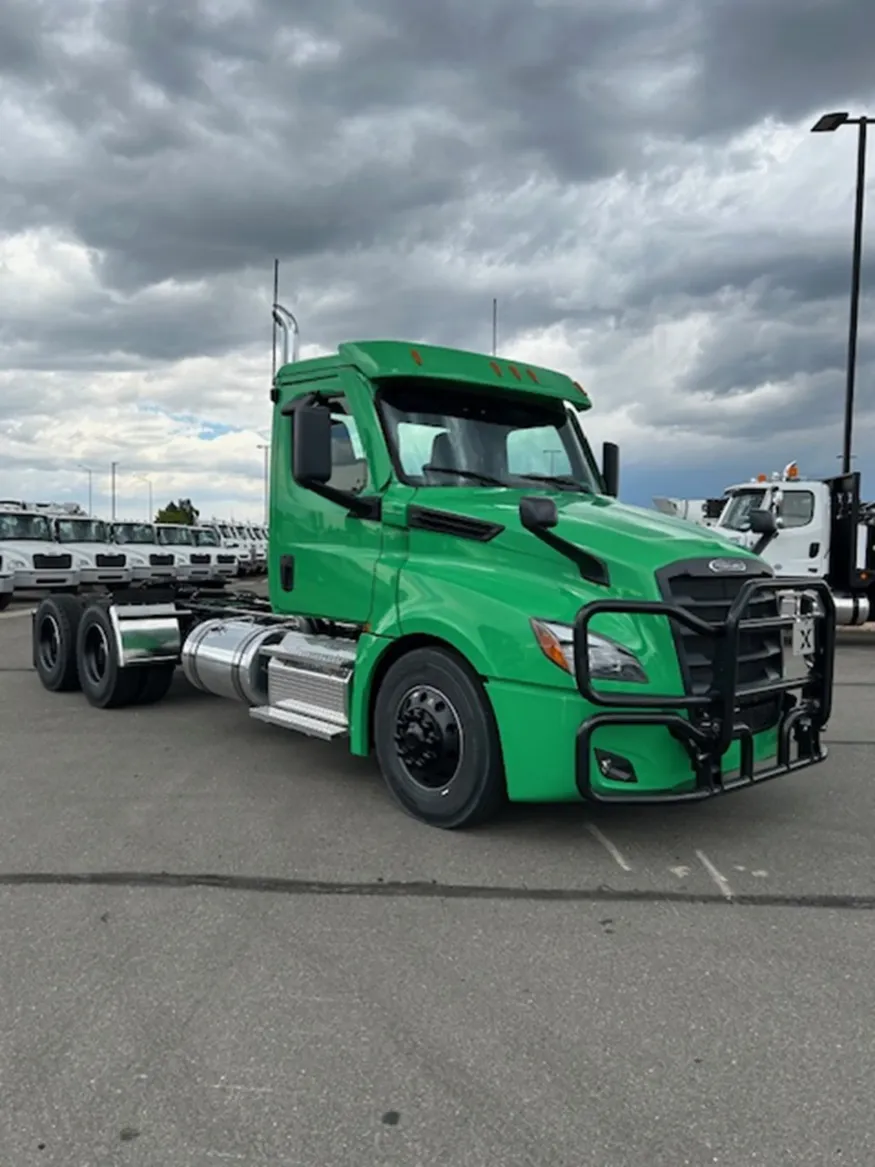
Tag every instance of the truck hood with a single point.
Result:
(26, 548)
(632, 541)
(144, 550)
(90, 550)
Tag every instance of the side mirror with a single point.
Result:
(763, 523)
(538, 514)
(311, 446)
(611, 468)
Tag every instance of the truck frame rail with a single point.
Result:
(708, 724)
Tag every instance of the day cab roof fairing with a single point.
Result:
(384, 360)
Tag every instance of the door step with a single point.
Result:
(312, 725)
(308, 680)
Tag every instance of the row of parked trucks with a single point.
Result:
(60, 547)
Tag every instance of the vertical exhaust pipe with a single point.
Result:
(291, 332)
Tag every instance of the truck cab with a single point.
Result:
(435, 500)
(89, 541)
(29, 552)
(150, 562)
(455, 586)
(824, 532)
(193, 563)
(225, 561)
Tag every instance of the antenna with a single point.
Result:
(494, 326)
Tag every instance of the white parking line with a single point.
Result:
(15, 612)
(610, 847)
(721, 880)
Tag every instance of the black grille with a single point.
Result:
(709, 595)
(44, 562)
(200, 559)
(109, 560)
(161, 560)
(226, 559)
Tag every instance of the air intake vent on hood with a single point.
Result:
(445, 523)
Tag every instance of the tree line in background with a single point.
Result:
(184, 512)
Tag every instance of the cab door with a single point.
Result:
(323, 559)
(802, 545)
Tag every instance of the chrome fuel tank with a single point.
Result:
(223, 657)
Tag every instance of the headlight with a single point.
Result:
(608, 661)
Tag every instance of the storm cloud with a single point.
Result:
(633, 179)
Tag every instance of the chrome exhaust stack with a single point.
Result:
(291, 333)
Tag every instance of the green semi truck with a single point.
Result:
(455, 588)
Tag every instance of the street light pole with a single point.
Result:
(113, 466)
(266, 515)
(828, 124)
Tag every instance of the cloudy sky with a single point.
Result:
(633, 179)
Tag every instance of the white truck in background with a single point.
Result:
(29, 552)
(7, 584)
(225, 561)
(193, 564)
(150, 561)
(823, 530)
(100, 562)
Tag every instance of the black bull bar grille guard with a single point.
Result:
(716, 719)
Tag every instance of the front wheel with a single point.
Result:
(5, 600)
(436, 741)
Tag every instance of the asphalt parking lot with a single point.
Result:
(220, 943)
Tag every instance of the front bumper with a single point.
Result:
(105, 575)
(712, 726)
(147, 573)
(7, 585)
(26, 579)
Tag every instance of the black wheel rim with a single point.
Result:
(428, 737)
(49, 642)
(95, 653)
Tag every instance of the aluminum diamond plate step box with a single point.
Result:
(308, 684)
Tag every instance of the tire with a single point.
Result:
(104, 682)
(154, 683)
(429, 694)
(55, 627)
(5, 600)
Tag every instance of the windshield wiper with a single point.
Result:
(475, 475)
(558, 480)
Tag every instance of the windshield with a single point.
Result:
(204, 538)
(134, 533)
(737, 514)
(175, 536)
(82, 531)
(25, 527)
(458, 437)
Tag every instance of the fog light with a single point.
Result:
(615, 767)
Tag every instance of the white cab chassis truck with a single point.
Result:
(99, 561)
(823, 531)
(30, 554)
(225, 561)
(7, 585)
(194, 564)
(150, 562)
